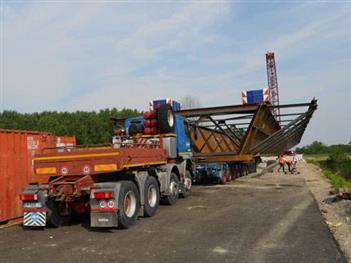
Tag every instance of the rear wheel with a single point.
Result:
(151, 196)
(128, 204)
(57, 213)
(222, 180)
(186, 185)
(229, 176)
(172, 198)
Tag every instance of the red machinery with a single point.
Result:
(273, 84)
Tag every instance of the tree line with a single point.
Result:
(89, 127)
(320, 148)
(338, 157)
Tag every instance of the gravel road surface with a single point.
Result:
(273, 218)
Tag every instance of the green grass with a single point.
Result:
(336, 180)
(312, 158)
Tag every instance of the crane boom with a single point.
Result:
(273, 84)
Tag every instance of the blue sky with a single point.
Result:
(88, 55)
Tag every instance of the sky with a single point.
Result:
(90, 55)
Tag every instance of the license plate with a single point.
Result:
(104, 220)
(31, 205)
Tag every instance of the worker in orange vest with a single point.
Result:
(281, 162)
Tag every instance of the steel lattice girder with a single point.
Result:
(261, 127)
(209, 142)
(222, 110)
(286, 137)
(221, 140)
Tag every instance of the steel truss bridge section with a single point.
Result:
(241, 132)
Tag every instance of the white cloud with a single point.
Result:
(97, 55)
(149, 42)
(35, 76)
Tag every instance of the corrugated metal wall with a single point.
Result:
(17, 149)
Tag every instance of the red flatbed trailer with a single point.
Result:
(100, 160)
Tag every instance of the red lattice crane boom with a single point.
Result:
(273, 84)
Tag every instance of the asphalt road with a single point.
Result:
(268, 219)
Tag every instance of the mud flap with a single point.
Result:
(99, 217)
(34, 219)
(35, 211)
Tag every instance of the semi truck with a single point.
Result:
(149, 162)
(153, 159)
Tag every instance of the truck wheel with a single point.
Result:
(128, 204)
(151, 196)
(222, 180)
(172, 198)
(55, 217)
(166, 119)
(186, 185)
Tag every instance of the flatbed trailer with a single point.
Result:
(129, 180)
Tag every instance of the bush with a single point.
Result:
(336, 181)
(338, 156)
(346, 170)
(340, 163)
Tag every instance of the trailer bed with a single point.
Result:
(96, 160)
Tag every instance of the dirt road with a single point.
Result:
(268, 219)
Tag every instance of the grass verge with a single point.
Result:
(336, 180)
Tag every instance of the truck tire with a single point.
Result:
(186, 185)
(151, 196)
(166, 119)
(128, 204)
(222, 180)
(172, 198)
(54, 217)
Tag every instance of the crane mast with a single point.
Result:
(273, 84)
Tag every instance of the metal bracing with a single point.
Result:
(286, 137)
(240, 131)
(205, 118)
(228, 138)
(232, 138)
(234, 132)
(223, 110)
(291, 114)
(295, 105)
(262, 125)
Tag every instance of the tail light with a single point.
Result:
(102, 204)
(111, 203)
(107, 205)
(103, 195)
(28, 197)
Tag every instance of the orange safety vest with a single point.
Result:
(281, 160)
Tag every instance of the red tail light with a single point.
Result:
(103, 195)
(28, 197)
